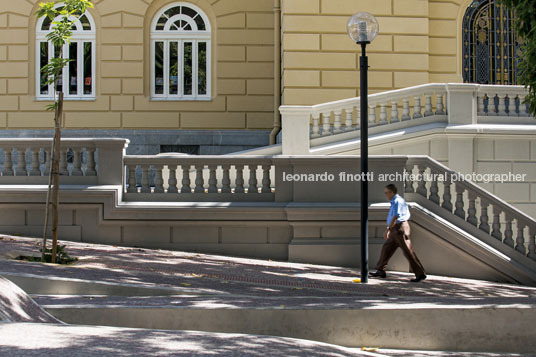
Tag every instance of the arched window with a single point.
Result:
(490, 46)
(180, 53)
(78, 78)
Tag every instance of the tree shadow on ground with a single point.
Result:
(17, 306)
(107, 341)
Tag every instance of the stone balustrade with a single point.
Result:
(384, 108)
(495, 100)
(285, 180)
(457, 199)
(250, 178)
(205, 178)
(331, 179)
(451, 104)
(28, 161)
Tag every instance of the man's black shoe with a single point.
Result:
(378, 274)
(419, 278)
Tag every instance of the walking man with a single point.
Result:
(397, 235)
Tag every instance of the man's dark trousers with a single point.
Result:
(398, 237)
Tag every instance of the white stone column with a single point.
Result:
(462, 103)
(111, 170)
(295, 124)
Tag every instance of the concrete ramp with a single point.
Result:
(17, 306)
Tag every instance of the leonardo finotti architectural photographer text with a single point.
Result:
(403, 176)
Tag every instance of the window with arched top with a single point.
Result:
(78, 78)
(490, 45)
(180, 53)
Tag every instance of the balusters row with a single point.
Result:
(405, 112)
(338, 121)
(494, 219)
(321, 123)
(225, 178)
(36, 161)
(502, 104)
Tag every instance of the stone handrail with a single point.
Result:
(407, 106)
(497, 100)
(454, 104)
(247, 178)
(236, 178)
(416, 103)
(265, 179)
(27, 161)
(220, 177)
(470, 203)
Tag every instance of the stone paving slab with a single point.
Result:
(241, 276)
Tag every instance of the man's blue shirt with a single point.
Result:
(399, 208)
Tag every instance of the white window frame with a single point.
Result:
(79, 36)
(180, 37)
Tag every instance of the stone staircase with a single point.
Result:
(246, 204)
(469, 128)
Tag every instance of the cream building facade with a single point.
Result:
(260, 54)
(419, 42)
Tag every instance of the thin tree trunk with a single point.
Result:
(49, 188)
(56, 177)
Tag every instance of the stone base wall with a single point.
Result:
(308, 232)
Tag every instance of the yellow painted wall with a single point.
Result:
(418, 43)
(242, 69)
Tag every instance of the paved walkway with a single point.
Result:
(240, 276)
(210, 280)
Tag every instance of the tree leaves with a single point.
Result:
(63, 19)
(525, 26)
(47, 9)
(52, 107)
(54, 68)
(61, 32)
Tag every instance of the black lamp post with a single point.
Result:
(362, 29)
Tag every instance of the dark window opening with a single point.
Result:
(180, 149)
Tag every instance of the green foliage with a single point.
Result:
(61, 256)
(525, 26)
(54, 68)
(63, 18)
(61, 33)
(52, 107)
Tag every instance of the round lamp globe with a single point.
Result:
(362, 27)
